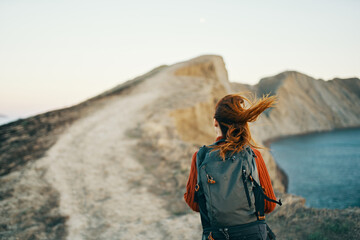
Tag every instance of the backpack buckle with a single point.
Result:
(260, 217)
(210, 179)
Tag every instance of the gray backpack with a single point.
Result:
(226, 186)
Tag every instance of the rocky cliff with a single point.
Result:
(305, 105)
(116, 165)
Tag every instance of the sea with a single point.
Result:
(324, 168)
(4, 119)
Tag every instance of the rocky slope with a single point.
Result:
(116, 165)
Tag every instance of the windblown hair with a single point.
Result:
(233, 117)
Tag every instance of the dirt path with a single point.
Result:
(91, 168)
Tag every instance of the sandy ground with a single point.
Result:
(91, 168)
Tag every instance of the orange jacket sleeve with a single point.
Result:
(265, 181)
(190, 186)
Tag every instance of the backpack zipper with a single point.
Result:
(246, 187)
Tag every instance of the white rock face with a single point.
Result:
(307, 105)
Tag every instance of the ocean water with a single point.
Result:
(324, 168)
(5, 120)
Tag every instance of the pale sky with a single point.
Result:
(55, 54)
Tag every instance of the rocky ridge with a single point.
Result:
(116, 165)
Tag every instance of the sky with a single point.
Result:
(55, 54)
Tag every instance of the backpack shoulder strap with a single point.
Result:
(247, 169)
(200, 156)
(252, 164)
(257, 185)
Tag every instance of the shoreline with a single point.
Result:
(269, 141)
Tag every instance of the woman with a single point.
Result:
(223, 175)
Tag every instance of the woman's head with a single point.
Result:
(233, 113)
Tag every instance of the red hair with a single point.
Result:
(233, 118)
